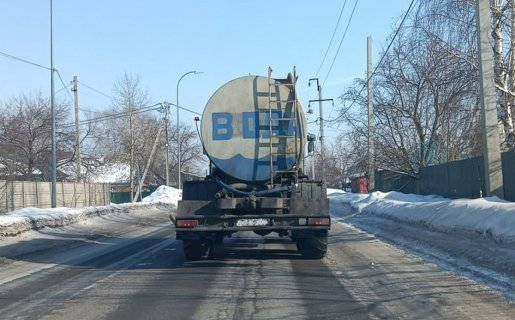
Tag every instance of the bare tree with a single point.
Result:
(25, 136)
(426, 94)
(130, 127)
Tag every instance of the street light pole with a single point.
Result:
(52, 111)
(179, 184)
(166, 107)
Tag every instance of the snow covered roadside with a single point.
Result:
(489, 217)
(26, 219)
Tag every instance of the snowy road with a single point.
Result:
(127, 266)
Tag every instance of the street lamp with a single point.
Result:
(179, 185)
(53, 200)
(166, 109)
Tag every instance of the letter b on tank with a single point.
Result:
(222, 125)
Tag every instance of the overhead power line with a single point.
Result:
(118, 115)
(332, 38)
(22, 60)
(10, 56)
(64, 86)
(95, 90)
(114, 116)
(380, 60)
(341, 42)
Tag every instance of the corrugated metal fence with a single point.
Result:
(22, 194)
(457, 179)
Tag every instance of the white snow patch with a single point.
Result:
(486, 216)
(164, 194)
(331, 191)
(22, 220)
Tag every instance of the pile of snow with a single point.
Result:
(164, 194)
(490, 216)
(26, 219)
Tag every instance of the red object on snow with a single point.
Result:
(359, 184)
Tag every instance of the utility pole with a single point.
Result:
(491, 148)
(313, 166)
(370, 85)
(321, 118)
(131, 166)
(77, 132)
(322, 137)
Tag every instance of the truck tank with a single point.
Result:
(237, 123)
(253, 131)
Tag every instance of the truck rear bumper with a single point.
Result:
(234, 223)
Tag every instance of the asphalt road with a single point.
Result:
(130, 267)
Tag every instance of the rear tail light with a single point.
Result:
(319, 221)
(186, 223)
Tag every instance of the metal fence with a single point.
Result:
(457, 179)
(22, 194)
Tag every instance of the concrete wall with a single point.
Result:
(22, 194)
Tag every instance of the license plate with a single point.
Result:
(252, 222)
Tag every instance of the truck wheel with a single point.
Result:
(313, 248)
(196, 250)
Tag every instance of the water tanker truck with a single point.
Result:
(253, 131)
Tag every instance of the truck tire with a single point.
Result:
(313, 248)
(196, 250)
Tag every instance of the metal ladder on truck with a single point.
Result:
(280, 125)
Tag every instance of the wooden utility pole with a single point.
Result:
(370, 85)
(77, 132)
(491, 148)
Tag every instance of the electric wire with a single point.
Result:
(95, 90)
(23, 60)
(118, 115)
(380, 61)
(332, 38)
(64, 86)
(341, 42)
(37, 65)
(114, 116)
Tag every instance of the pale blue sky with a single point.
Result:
(161, 40)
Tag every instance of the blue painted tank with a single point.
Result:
(236, 131)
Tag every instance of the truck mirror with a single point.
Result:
(311, 146)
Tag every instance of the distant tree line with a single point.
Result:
(124, 128)
(426, 90)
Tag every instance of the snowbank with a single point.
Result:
(491, 216)
(22, 220)
(164, 194)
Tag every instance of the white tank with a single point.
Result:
(235, 128)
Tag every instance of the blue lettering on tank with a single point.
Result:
(222, 125)
(250, 119)
(254, 125)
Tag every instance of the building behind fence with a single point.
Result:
(22, 194)
(457, 179)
